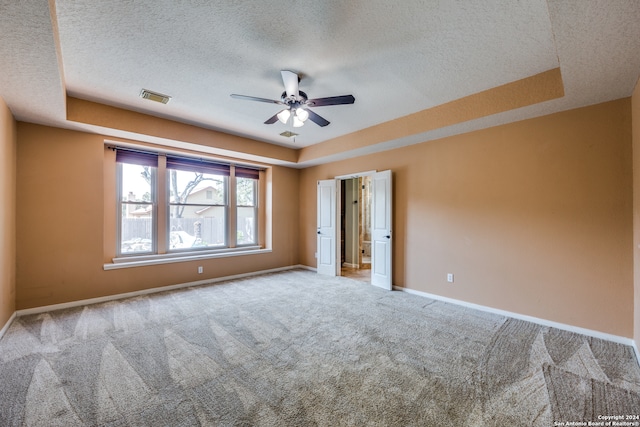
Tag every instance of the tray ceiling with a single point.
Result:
(397, 59)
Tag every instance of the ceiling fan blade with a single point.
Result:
(331, 100)
(271, 120)
(320, 121)
(253, 98)
(290, 80)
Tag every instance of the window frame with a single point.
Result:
(169, 206)
(120, 204)
(161, 241)
(256, 195)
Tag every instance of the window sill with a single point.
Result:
(146, 260)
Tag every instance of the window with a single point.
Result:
(247, 208)
(199, 210)
(136, 173)
(195, 221)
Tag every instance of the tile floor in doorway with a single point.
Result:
(362, 274)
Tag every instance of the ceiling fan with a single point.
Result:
(297, 103)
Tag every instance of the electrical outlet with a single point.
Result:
(200, 269)
(450, 277)
(316, 254)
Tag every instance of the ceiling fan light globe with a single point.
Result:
(283, 116)
(297, 122)
(302, 114)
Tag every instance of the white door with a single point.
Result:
(381, 235)
(326, 245)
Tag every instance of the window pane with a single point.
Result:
(246, 191)
(136, 183)
(136, 228)
(197, 227)
(246, 225)
(136, 216)
(193, 187)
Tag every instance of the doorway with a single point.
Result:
(355, 228)
(328, 242)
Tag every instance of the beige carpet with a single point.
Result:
(298, 349)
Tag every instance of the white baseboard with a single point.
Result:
(539, 321)
(306, 267)
(6, 325)
(53, 307)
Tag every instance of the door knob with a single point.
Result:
(388, 236)
(319, 232)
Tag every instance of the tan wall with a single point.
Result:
(533, 217)
(7, 213)
(635, 118)
(93, 113)
(528, 91)
(61, 254)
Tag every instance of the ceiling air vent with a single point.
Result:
(288, 134)
(154, 96)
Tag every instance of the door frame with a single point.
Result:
(339, 207)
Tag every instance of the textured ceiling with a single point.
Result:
(30, 77)
(396, 58)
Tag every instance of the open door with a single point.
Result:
(327, 215)
(381, 235)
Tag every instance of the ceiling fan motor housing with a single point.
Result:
(293, 101)
(297, 102)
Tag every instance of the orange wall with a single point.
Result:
(93, 113)
(533, 217)
(60, 220)
(7, 213)
(635, 118)
(528, 91)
